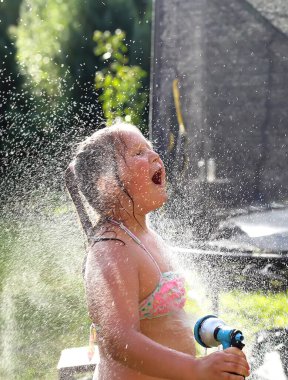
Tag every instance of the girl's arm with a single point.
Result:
(112, 287)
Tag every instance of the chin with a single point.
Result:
(151, 203)
(153, 206)
(159, 203)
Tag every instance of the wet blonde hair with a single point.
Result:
(96, 160)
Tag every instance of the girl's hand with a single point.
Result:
(230, 364)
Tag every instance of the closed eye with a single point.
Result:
(142, 149)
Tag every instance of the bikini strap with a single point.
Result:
(136, 240)
(98, 239)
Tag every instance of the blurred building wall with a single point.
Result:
(231, 60)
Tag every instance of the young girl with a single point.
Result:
(134, 297)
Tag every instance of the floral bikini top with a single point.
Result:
(167, 297)
(169, 294)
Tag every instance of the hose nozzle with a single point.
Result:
(210, 331)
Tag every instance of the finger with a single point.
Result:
(238, 366)
(237, 369)
(236, 358)
(235, 351)
(241, 368)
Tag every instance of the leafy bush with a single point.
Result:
(122, 91)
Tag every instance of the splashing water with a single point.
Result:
(43, 306)
(42, 294)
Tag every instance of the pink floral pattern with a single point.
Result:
(168, 296)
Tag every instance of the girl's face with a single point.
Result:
(142, 172)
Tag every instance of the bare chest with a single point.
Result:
(152, 261)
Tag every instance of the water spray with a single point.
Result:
(210, 331)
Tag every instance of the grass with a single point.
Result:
(43, 308)
(249, 312)
(255, 311)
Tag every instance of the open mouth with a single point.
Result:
(157, 177)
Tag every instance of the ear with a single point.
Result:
(107, 185)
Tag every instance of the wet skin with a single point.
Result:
(119, 276)
(172, 331)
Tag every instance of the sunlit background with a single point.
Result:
(66, 66)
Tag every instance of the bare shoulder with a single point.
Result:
(111, 277)
(110, 254)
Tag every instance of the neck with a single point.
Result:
(137, 224)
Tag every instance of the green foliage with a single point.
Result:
(263, 310)
(254, 311)
(44, 29)
(9, 12)
(122, 92)
(50, 99)
(55, 38)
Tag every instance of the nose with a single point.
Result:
(154, 156)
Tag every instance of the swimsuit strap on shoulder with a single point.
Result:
(137, 241)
